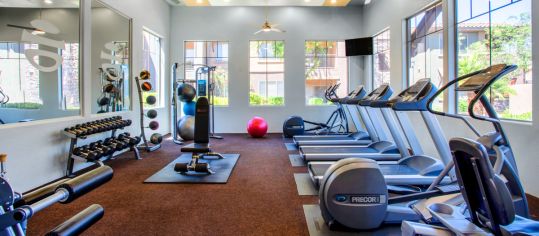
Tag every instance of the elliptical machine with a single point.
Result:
(355, 188)
(337, 123)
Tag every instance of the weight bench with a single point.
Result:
(201, 147)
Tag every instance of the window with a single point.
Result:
(210, 53)
(152, 60)
(381, 59)
(18, 78)
(325, 64)
(497, 32)
(69, 72)
(425, 43)
(266, 73)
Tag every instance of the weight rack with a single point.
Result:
(74, 144)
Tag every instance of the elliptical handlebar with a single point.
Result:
(456, 116)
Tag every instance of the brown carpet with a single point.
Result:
(260, 197)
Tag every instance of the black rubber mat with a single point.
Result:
(222, 168)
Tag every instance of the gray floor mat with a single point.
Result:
(317, 226)
(291, 146)
(305, 185)
(296, 160)
(222, 167)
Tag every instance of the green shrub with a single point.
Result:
(255, 99)
(523, 117)
(276, 101)
(316, 101)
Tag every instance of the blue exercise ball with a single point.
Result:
(189, 108)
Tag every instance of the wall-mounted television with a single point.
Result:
(359, 47)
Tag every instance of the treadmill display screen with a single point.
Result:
(415, 90)
(378, 92)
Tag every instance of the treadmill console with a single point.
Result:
(415, 97)
(381, 93)
(378, 93)
(475, 82)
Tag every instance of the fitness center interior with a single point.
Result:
(269, 117)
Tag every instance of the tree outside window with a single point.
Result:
(326, 64)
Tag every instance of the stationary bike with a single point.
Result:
(337, 123)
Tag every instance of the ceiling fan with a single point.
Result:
(33, 29)
(268, 27)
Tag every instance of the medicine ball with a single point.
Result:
(154, 125)
(156, 138)
(186, 92)
(109, 88)
(146, 86)
(104, 101)
(186, 128)
(152, 114)
(144, 75)
(189, 108)
(151, 100)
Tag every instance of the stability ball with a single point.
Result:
(186, 92)
(257, 127)
(186, 128)
(189, 108)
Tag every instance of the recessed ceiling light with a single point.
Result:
(333, 1)
(367, 2)
(47, 1)
(199, 1)
(307, 0)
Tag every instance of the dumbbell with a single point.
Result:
(117, 144)
(73, 131)
(87, 154)
(126, 137)
(100, 147)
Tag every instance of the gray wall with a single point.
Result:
(237, 25)
(37, 150)
(523, 136)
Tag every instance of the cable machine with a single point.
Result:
(205, 86)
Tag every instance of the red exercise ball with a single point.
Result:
(257, 127)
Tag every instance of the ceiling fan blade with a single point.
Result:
(22, 27)
(278, 30)
(257, 32)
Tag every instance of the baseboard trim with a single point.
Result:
(533, 204)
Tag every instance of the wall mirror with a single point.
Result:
(39, 59)
(111, 59)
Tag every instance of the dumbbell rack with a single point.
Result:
(145, 145)
(73, 144)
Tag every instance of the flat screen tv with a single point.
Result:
(359, 47)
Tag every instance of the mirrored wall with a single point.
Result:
(39, 60)
(111, 59)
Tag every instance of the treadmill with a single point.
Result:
(358, 138)
(379, 151)
(417, 169)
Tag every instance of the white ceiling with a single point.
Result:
(315, 3)
(40, 3)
